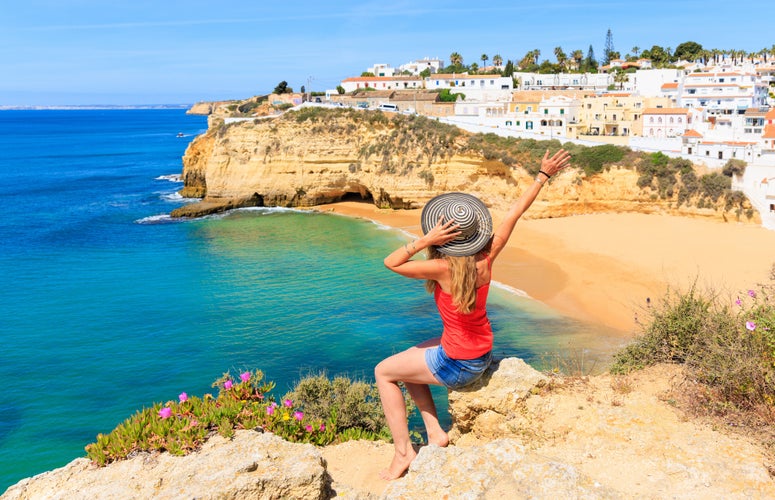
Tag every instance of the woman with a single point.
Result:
(461, 248)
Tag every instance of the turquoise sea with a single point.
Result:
(107, 305)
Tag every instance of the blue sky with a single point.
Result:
(55, 52)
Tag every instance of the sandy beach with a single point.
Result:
(602, 268)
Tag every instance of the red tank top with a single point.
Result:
(465, 336)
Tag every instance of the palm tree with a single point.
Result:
(577, 56)
(561, 57)
(536, 53)
(484, 59)
(497, 60)
(635, 51)
(455, 59)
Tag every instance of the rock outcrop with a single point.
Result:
(516, 434)
(252, 465)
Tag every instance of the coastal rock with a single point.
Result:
(493, 406)
(500, 469)
(251, 465)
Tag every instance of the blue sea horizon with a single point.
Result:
(108, 305)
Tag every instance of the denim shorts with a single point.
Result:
(455, 373)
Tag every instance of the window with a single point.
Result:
(680, 120)
(562, 111)
(546, 111)
(651, 119)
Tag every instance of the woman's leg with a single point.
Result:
(409, 367)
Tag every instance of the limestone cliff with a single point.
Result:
(315, 156)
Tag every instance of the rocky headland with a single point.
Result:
(315, 156)
(516, 434)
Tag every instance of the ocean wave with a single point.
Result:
(511, 289)
(175, 197)
(170, 177)
(157, 219)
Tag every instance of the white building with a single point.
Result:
(726, 93)
(649, 82)
(416, 67)
(382, 83)
(476, 88)
(564, 81)
(381, 70)
(668, 122)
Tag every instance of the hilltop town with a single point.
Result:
(707, 110)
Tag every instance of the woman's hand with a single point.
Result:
(442, 232)
(557, 162)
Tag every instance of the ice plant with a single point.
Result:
(751, 294)
(288, 403)
(739, 302)
(750, 325)
(298, 415)
(165, 412)
(244, 376)
(270, 410)
(227, 385)
(183, 397)
(308, 428)
(322, 427)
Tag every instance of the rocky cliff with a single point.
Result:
(316, 156)
(516, 434)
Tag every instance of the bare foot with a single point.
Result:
(399, 465)
(439, 438)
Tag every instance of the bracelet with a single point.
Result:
(414, 247)
(547, 175)
(537, 179)
(407, 250)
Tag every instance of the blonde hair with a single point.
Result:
(463, 270)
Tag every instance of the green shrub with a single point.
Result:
(340, 410)
(733, 167)
(728, 345)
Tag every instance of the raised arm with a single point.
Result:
(399, 261)
(549, 167)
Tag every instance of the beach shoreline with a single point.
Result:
(608, 269)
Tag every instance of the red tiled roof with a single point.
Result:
(670, 85)
(769, 132)
(692, 133)
(770, 114)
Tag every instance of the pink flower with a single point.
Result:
(750, 325)
(183, 397)
(244, 376)
(227, 385)
(288, 403)
(308, 428)
(270, 410)
(739, 302)
(322, 427)
(165, 412)
(752, 294)
(298, 415)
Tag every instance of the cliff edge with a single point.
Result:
(516, 434)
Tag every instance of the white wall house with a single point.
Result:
(550, 119)
(382, 70)
(476, 88)
(725, 93)
(417, 67)
(564, 81)
(382, 83)
(667, 122)
(649, 82)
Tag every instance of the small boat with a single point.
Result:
(180, 134)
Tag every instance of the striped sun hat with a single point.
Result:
(469, 213)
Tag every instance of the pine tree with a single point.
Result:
(609, 47)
